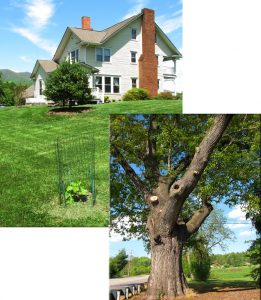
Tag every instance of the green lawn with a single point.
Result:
(28, 175)
(142, 107)
(227, 277)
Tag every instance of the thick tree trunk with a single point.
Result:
(166, 278)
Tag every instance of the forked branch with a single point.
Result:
(199, 217)
(129, 171)
(183, 187)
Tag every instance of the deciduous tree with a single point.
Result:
(68, 83)
(161, 162)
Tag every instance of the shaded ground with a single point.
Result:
(218, 294)
(225, 284)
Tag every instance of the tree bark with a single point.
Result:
(165, 200)
(167, 278)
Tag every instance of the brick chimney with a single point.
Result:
(86, 23)
(148, 65)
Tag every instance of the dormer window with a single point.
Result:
(103, 54)
(133, 33)
(74, 56)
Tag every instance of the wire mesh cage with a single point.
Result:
(75, 158)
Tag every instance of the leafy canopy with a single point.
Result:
(68, 82)
(232, 174)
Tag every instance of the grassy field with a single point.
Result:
(142, 107)
(28, 174)
(227, 277)
(231, 283)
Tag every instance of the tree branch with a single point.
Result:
(150, 161)
(182, 188)
(198, 218)
(129, 171)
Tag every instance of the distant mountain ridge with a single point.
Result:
(17, 77)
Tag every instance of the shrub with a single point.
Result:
(165, 96)
(136, 94)
(179, 96)
(200, 264)
(107, 99)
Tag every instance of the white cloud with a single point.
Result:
(138, 5)
(234, 226)
(170, 23)
(25, 58)
(246, 232)
(38, 14)
(237, 214)
(36, 39)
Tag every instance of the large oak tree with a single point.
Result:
(160, 164)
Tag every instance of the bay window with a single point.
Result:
(98, 82)
(108, 84)
(116, 85)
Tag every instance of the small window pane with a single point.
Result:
(107, 84)
(133, 33)
(98, 82)
(134, 82)
(73, 57)
(40, 86)
(107, 55)
(133, 57)
(99, 54)
(116, 85)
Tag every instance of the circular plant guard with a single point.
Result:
(75, 158)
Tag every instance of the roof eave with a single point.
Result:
(114, 33)
(169, 42)
(68, 32)
(36, 66)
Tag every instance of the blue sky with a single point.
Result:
(32, 29)
(243, 233)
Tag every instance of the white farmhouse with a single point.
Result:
(132, 53)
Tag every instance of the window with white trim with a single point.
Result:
(73, 56)
(98, 82)
(116, 85)
(133, 82)
(133, 33)
(133, 57)
(108, 84)
(103, 54)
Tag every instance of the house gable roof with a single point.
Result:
(47, 65)
(94, 37)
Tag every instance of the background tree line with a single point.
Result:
(123, 265)
(12, 93)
